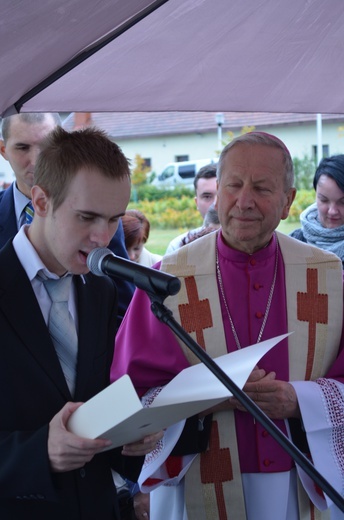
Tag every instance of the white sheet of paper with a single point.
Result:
(237, 365)
(116, 413)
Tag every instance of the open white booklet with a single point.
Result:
(117, 414)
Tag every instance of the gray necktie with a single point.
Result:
(62, 327)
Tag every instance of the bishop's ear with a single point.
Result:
(290, 199)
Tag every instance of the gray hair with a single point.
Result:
(30, 118)
(211, 217)
(267, 140)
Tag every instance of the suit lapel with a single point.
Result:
(19, 304)
(8, 222)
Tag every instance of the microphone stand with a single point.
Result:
(164, 315)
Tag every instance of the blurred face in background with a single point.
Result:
(205, 194)
(22, 149)
(330, 202)
(134, 252)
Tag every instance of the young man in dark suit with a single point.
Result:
(22, 135)
(80, 190)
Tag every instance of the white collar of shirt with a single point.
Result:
(20, 201)
(28, 255)
(32, 264)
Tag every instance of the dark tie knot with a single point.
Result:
(59, 289)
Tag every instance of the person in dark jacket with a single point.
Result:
(80, 190)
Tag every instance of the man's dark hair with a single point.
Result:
(63, 154)
(206, 172)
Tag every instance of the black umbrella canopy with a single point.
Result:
(177, 55)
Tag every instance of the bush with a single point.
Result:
(149, 192)
(303, 199)
(166, 208)
(170, 212)
(173, 209)
(304, 170)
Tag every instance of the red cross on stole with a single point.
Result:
(216, 464)
(216, 468)
(312, 307)
(195, 315)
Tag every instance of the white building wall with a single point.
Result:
(300, 140)
(163, 149)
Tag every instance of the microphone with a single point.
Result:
(102, 261)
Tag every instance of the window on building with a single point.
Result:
(325, 151)
(180, 158)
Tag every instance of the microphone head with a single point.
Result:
(95, 258)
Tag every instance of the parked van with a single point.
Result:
(181, 173)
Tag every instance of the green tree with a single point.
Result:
(138, 175)
(139, 172)
(304, 172)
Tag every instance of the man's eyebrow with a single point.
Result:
(262, 180)
(21, 143)
(94, 214)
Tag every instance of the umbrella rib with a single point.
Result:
(74, 62)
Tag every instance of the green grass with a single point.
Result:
(160, 238)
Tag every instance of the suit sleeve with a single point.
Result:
(20, 476)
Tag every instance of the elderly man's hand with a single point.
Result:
(142, 447)
(276, 398)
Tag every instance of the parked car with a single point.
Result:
(183, 172)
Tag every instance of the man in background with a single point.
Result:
(205, 194)
(22, 135)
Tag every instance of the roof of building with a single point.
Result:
(123, 125)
